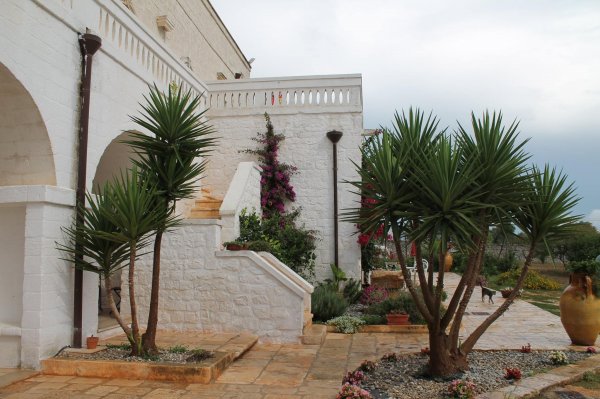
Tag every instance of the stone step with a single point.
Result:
(308, 316)
(205, 214)
(314, 335)
(208, 203)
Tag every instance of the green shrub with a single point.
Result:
(459, 264)
(493, 264)
(533, 280)
(267, 245)
(352, 291)
(404, 302)
(290, 243)
(346, 324)
(374, 319)
(327, 303)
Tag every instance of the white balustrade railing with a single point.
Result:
(126, 40)
(304, 91)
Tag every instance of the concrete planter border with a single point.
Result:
(201, 373)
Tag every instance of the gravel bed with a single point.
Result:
(405, 379)
(119, 353)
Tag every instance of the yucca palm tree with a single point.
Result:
(117, 225)
(178, 136)
(427, 186)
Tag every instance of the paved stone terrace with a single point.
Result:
(270, 371)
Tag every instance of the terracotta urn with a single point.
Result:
(397, 319)
(92, 342)
(448, 259)
(580, 310)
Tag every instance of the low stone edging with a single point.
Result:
(203, 372)
(532, 386)
(385, 328)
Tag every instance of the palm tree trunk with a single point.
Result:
(470, 342)
(444, 361)
(135, 329)
(113, 308)
(149, 337)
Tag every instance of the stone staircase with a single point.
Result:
(312, 334)
(206, 207)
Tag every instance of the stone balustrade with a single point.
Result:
(326, 93)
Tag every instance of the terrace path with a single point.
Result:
(270, 371)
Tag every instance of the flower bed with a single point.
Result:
(403, 376)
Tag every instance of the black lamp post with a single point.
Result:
(88, 44)
(334, 136)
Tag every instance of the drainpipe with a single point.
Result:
(88, 44)
(334, 136)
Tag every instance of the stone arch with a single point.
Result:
(116, 158)
(25, 152)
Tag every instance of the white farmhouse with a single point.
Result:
(144, 42)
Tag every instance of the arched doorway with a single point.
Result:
(115, 159)
(25, 159)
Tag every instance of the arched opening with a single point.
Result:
(25, 159)
(25, 151)
(115, 159)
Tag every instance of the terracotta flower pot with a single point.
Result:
(91, 342)
(448, 259)
(397, 319)
(235, 247)
(580, 310)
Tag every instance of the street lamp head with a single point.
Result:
(334, 136)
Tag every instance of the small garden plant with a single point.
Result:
(177, 349)
(462, 389)
(367, 365)
(327, 303)
(354, 377)
(513, 373)
(349, 391)
(373, 295)
(558, 357)
(346, 324)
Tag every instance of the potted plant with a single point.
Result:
(235, 245)
(579, 303)
(506, 292)
(397, 317)
(92, 342)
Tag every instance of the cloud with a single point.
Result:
(594, 218)
(536, 61)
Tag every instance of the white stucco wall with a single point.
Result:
(198, 33)
(12, 248)
(243, 194)
(306, 146)
(206, 289)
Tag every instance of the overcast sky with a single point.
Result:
(538, 61)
